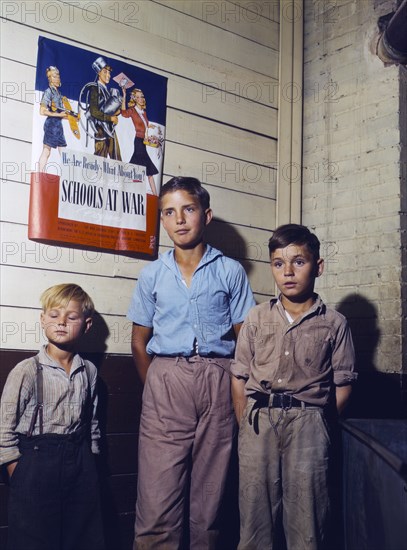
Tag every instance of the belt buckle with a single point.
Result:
(285, 400)
(290, 401)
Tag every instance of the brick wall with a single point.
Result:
(352, 183)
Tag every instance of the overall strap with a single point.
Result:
(87, 408)
(38, 410)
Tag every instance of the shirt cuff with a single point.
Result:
(239, 371)
(9, 455)
(344, 377)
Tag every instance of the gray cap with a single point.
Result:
(100, 64)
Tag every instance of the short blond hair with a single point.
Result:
(51, 69)
(61, 295)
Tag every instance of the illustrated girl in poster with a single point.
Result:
(137, 112)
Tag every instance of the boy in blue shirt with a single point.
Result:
(294, 363)
(187, 310)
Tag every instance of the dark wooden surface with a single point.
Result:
(119, 412)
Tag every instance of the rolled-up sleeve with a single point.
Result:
(244, 354)
(343, 356)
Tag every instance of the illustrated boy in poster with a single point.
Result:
(52, 107)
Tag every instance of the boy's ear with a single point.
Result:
(88, 324)
(320, 267)
(208, 216)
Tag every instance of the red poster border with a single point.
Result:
(45, 226)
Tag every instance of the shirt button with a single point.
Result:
(286, 353)
(279, 380)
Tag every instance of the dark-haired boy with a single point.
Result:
(294, 362)
(187, 309)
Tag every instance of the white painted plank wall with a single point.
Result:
(221, 61)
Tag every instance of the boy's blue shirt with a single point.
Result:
(218, 298)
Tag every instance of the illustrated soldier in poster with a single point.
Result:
(102, 109)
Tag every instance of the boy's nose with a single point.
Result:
(288, 270)
(180, 219)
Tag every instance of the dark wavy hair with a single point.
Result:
(191, 185)
(293, 233)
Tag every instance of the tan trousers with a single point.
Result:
(185, 443)
(283, 478)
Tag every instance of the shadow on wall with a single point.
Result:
(376, 394)
(224, 237)
(113, 408)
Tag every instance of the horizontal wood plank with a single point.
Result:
(235, 241)
(257, 21)
(180, 160)
(21, 329)
(230, 207)
(20, 42)
(183, 128)
(100, 288)
(239, 109)
(194, 34)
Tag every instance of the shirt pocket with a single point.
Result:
(266, 340)
(312, 349)
(215, 302)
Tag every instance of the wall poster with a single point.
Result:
(97, 153)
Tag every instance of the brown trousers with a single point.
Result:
(106, 146)
(186, 432)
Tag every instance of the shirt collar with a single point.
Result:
(168, 258)
(318, 306)
(45, 359)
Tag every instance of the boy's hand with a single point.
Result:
(239, 397)
(140, 337)
(11, 467)
(342, 394)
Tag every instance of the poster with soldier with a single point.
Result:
(97, 152)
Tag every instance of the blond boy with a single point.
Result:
(49, 431)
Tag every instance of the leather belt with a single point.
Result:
(278, 400)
